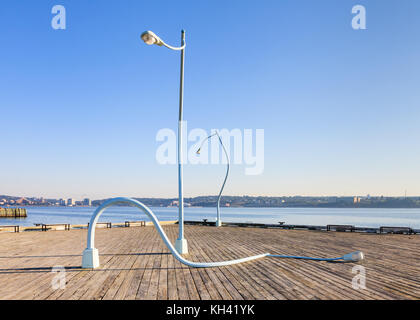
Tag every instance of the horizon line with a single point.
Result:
(245, 195)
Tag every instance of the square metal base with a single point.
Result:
(181, 246)
(90, 258)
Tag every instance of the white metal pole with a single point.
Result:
(219, 220)
(181, 243)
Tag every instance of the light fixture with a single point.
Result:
(150, 38)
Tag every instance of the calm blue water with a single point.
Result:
(308, 216)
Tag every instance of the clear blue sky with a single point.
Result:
(80, 108)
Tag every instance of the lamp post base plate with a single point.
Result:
(218, 223)
(90, 258)
(181, 246)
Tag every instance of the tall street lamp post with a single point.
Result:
(150, 38)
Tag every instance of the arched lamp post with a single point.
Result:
(218, 220)
(150, 38)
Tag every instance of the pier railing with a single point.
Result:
(335, 228)
(205, 222)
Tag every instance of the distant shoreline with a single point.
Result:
(369, 217)
(233, 207)
(379, 202)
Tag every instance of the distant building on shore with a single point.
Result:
(71, 202)
(23, 201)
(87, 202)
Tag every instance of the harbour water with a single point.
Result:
(360, 217)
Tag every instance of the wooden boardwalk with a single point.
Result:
(135, 264)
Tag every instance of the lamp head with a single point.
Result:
(198, 151)
(150, 38)
(354, 257)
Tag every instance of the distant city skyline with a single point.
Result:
(81, 107)
(232, 201)
(88, 201)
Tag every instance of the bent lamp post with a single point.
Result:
(218, 219)
(90, 257)
(150, 38)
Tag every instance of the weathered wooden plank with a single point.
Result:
(126, 283)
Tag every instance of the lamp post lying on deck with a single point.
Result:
(90, 257)
(150, 38)
(218, 219)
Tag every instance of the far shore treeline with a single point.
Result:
(246, 201)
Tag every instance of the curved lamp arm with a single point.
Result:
(174, 48)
